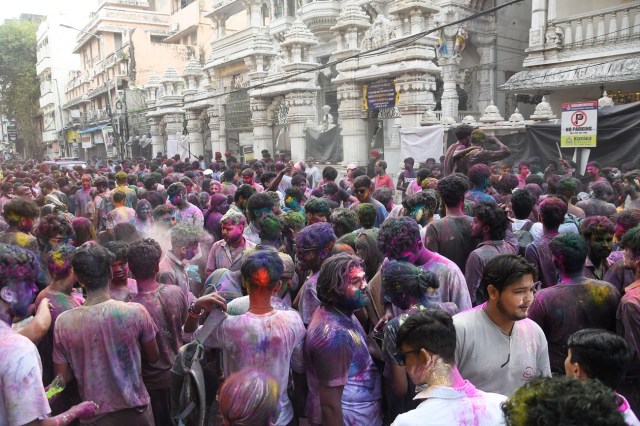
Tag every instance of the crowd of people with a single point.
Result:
(492, 293)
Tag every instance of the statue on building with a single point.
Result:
(442, 50)
(327, 122)
(461, 40)
(275, 67)
(381, 32)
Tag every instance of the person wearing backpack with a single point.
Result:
(264, 337)
(103, 203)
(521, 205)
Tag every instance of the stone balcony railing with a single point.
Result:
(238, 45)
(613, 31)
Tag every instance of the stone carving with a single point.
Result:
(543, 111)
(460, 40)
(605, 101)
(275, 68)
(516, 118)
(491, 114)
(429, 118)
(381, 32)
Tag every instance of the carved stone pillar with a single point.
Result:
(484, 73)
(301, 109)
(355, 145)
(218, 143)
(173, 130)
(449, 101)
(157, 144)
(415, 97)
(262, 133)
(194, 127)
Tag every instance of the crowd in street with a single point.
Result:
(174, 291)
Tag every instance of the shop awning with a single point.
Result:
(596, 74)
(92, 129)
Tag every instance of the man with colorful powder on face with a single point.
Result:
(185, 211)
(227, 252)
(185, 241)
(102, 343)
(344, 384)
(264, 338)
(22, 397)
(313, 247)
(167, 305)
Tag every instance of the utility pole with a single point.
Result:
(116, 137)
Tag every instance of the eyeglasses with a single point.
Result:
(401, 357)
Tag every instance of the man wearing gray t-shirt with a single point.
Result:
(498, 348)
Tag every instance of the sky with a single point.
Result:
(13, 8)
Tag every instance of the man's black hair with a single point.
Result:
(92, 266)
(317, 206)
(244, 191)
(571, 251)
(257, 202)
(601, 354)
(329, 173)
(452, 189)
(494, 217)
(553, 210)
(119, 249)
(522, 204)
(504, 270)
(144, 257)
(431, 329)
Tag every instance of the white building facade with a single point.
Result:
(56, 66)
(578, 50)
(279, 69)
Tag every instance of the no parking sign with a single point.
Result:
(579, 125)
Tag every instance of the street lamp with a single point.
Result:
(108, 83)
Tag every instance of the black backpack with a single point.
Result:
(524, 237)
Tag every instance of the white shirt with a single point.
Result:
(495, 362)
(22, 398)
(447, 406)
(565, 228)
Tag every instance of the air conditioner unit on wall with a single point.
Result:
(174, 27)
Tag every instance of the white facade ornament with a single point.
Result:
(447, 121)
(469, 119)
(491, 114)
(429, 118)
(351, 15)
(381, 32)
(543, 111)
(516, 118)
(605, 101)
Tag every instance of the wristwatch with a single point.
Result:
(192, 311)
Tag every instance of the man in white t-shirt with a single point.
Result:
(264, 337)
(426, 344)
(498, 348)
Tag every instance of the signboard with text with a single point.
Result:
(379, 95)
(579, 125)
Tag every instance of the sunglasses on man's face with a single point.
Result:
(361, 191)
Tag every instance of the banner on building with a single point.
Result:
(380, 94)
(73, 136)
(579, 125)
(421, 143)
(324, 146)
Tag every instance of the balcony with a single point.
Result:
(184, 20)
(320, 16)
(611, 32)
(246, 42)
(47, 99)
(50, 136)
(44, 63)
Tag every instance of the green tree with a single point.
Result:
(19, 85)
